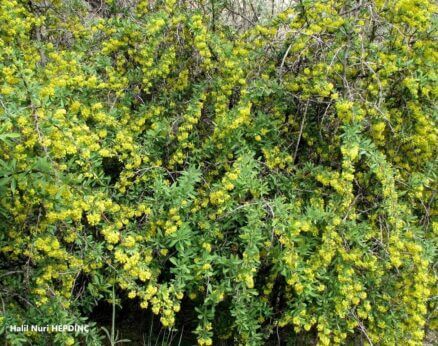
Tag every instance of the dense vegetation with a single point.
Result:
(273, 179)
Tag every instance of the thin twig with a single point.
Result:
(301, 131)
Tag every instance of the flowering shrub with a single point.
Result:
(279, 178)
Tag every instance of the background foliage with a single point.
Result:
(247, 178)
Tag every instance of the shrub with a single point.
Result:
(280, 177)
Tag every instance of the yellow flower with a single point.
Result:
(206, 266)
(69, 341)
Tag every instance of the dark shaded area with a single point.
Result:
(112, 168)
(141, 326)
